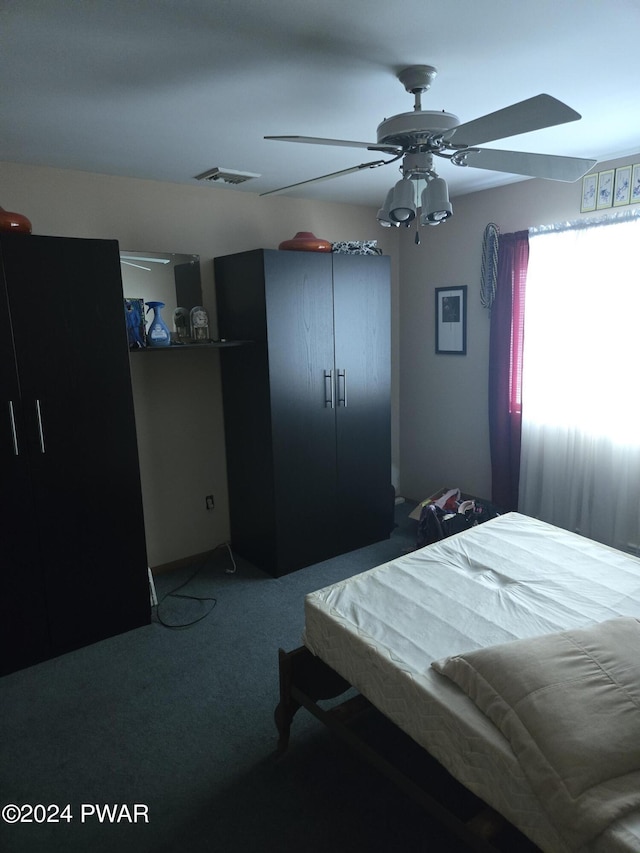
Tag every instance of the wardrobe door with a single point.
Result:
(240, 302)
(73, 364)
(23, 621)
(362, 354)
(299, 304)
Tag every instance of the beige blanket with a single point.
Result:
(569, 704)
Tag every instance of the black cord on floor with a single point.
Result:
(176, 594)
(184, 624)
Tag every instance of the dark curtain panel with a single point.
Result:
(505, 368)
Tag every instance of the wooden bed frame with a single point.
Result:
(306, 680)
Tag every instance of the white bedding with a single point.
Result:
(511, 578)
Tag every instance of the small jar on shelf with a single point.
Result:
(182, 323)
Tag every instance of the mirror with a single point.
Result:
(162, 277)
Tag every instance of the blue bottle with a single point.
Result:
(158, 334)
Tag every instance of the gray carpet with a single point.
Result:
(181, 722)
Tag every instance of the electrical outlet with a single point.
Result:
(209, 502)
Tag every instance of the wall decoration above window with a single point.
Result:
(611, 188)
(451, 320)
(605, 189)
(589, 193)
(622, 186)
(635, 184)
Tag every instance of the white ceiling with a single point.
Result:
(166, 89)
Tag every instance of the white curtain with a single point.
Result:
(580, 459)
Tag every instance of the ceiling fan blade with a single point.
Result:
(533, 114)
(547, 166)
(345, 143)
(371, 165)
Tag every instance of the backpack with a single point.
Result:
(436, 523)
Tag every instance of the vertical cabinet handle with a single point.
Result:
(342, 388)
(14, 434)
(329, 398)
(40, 430)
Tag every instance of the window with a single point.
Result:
(580, 460)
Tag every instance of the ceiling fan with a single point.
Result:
(419, 136)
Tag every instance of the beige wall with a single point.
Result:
(444, 436)
(439, 413)
(177, 395)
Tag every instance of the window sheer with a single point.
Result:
(580, 457)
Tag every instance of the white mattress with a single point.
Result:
(510, 578)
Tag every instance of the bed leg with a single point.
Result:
(486, 824)
(303, 680)
(287, 707)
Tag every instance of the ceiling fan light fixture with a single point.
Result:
(383, 215)
(402, 208)
(435, 203)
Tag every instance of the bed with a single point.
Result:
(506, 585)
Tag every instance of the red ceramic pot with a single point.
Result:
(305, 241)
(15, 222)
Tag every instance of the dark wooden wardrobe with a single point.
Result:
(306, 404)
(72, 545)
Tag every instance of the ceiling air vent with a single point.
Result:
(226, 176)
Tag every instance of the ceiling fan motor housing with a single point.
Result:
(417, 78)
(408, 130)
(418, 164)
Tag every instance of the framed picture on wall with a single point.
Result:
(635, 184)
(622, 186)
(451, 320)
(605, 189)
(589, 193)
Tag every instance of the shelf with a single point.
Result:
(209, 345)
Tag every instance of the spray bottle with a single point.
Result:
(158, 334)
